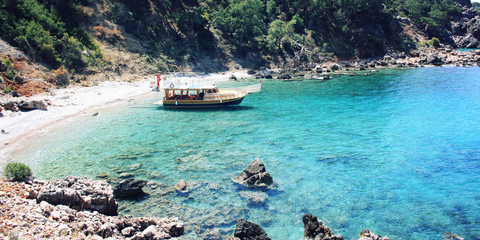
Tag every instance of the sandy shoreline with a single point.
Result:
(76, 101)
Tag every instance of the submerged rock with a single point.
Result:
(451, 236)
(181, 185)
(129, 188)
(246, 230)
(255, 175)
(314, 229)
(255, 198)
(80, 193)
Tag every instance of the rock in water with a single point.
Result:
(181, 185)
(129, 188)
(367, 235)
(314, 229)
(80, 193)
(451, 236)
(255, 175)
(246, 230)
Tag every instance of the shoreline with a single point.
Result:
(68, 103)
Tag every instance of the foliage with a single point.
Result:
(7, 90)
(427, 14)
(435, 42)
(183, 30)
(241, 21)
(48, 30)
(17, 171)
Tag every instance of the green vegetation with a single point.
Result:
(435, 42)
(182, 31)
(38, 28)
(432, 16)
(17, 171)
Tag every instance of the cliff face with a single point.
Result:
(131, 39)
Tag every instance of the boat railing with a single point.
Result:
(225, 95)
(249, 89)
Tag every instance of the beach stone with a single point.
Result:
(181, 185)
(255, 175)
(128, 231)
(32, 105)
(129, 188)
(149, 231)
(80, 193)
(11, 106)
(246, 230)
(284, 76)
(314, 229)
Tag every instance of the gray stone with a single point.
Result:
(246, 230)
(32, 105)
(128, 231)
(150, 231)
(314, 229)
(129, 188)
(181, 185)
(255, 175)
(80, 193)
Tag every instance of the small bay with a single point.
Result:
(396, 151)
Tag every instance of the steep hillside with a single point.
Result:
(85, 41)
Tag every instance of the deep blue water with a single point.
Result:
(397, 152)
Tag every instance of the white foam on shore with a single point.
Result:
(76, 101)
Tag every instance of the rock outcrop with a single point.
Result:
(367, 235)
(314, 229)
(255, 175)
(129, 188)
(246, 230)
(23, 218)
(79, 194)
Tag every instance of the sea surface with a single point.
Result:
(394, 151)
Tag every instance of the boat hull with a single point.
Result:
(201, 103)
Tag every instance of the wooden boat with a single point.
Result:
(205, 97)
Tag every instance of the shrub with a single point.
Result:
(435, 42)
(17, 171)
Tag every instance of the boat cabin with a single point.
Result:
(188, 93)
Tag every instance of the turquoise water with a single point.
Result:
(397, 152)
(467, 49)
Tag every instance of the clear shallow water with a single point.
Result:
(396, 152)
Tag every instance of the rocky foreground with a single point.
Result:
(82, 208)
(21, 217)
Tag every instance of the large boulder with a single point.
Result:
(246, 230)
(79, 194)
(255, 175)
(314, 229)
(32, 105)
(129, 188)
